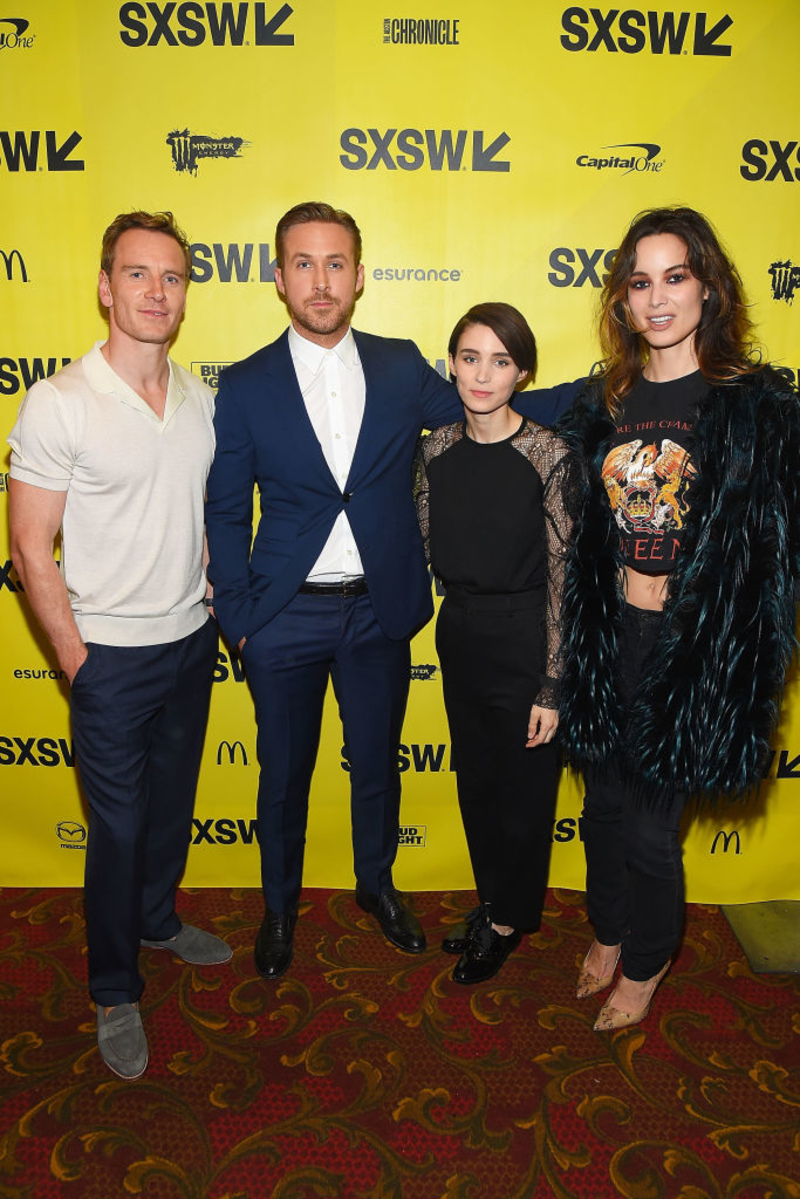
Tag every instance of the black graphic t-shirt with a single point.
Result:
(648, 470)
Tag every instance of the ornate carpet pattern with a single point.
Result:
(368, 1074)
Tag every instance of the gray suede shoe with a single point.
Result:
(195, 946)
(121, 1040)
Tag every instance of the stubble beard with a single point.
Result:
(325, 323)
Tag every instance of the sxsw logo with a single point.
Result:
(13, 32)
(9, 579)
(12, 259)
(24, 372)
(574, 268)
(411, 149)
(785, 280)
(227, 752)
(20, 148)
(234, 262)
(632, 31)
(224, 831)
(209, 373)
(770, 161)
(193, 24)
(420, 758)
(412, 834)
(228, 668)
(33, 751)
(71, 834)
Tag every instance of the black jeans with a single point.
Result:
(631, 836)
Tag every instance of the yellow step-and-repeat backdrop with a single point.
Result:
(488, 151)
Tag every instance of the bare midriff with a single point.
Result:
(645, 591)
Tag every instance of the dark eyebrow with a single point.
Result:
(679, 266)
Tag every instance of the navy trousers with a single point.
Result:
(139, 719)
(288, 663)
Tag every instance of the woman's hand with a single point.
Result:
(542, 725)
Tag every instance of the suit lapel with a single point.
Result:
(364, 455)
(283, 388)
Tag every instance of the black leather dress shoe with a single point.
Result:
(457, 939)
(274, 943)
(485, 953)
(398, 923)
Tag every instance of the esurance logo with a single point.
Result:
(12, 260)
(14, 34)
(232, 262)
(575, 268)
(188, 148)
(785, 280)
(412, 149)
(648, 161)
(20, 150)
(633, 31)
(433, 31)
(194, 24)
(769, 161)
(24, 372)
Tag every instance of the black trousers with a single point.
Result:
(491, 649)
(139, 718)
(631, 836)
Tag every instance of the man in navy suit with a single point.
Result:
(325, 422)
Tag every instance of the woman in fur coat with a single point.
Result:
(679, 614)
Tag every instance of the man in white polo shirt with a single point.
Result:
(113, 452)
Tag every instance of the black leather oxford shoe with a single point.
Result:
(485, 953)
(274, 943)
(456, 940)
(398, 923)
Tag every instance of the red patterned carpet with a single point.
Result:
(367, 1074)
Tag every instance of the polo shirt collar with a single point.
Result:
(102, 378)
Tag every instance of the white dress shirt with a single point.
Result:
(334, 392)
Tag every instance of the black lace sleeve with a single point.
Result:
(560, 470)
(429, 447)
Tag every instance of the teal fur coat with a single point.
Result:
(703, 716)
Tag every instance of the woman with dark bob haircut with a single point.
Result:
(493, 497)
(679, 611)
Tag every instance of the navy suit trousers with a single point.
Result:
(139, 719)
(288, 663)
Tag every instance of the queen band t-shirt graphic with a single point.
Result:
(648, 470)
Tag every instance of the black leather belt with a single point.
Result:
(347, 587)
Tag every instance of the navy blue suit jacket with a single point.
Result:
(264, 437)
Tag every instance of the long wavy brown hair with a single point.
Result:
(724, 337)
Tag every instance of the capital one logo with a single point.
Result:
(633, 31)
(193, 24)
(412, 149)
(12, 34)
